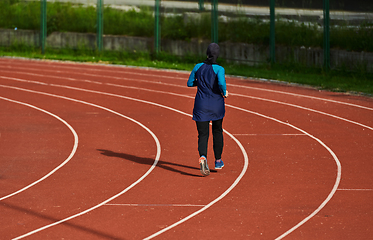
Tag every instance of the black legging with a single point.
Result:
(203, 137)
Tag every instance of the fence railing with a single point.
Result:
(214, 27)
(224, 22)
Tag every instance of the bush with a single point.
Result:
(352, 39)
(16, 14)
(130, 23)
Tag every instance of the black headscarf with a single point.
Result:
(212, 53)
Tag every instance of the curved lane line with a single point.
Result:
(336, 184)
(238, 179)
(257, 98)
(113, 197)
(58, 167)
(339, 170)
(181, 95)
(246, 163)
(228, 84)
(338, 179)
(304, 108)
(338, 163)
(303, 96)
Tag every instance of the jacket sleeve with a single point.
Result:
(220, 72)
(192, 81)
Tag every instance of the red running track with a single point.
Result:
(94, 151)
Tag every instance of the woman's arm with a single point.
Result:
(192, 81)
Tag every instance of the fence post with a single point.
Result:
(99, 25)
(43, 24)
(272, 51)
(201, 5)
(326, 41)
(214, 21)
(156, 27)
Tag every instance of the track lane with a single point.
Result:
(269, 108)
(327, 103)
(71, 194)
(368, 119)
(30, 141)
(160, 76)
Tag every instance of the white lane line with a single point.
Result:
(304, 96)
(153, 205)
(338, 163)
(147, 75)
(323, 204)
(113, 197)
(228, 84)
(238, 179)
(92, 81)
(92, 91)
(93, 75)
(233, 94)
(304, 108)
(246, 159)
(59, 166)
(347, 189)
(192, 97)
(319, 112)
(256, 134)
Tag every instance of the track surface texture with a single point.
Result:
(94, 151)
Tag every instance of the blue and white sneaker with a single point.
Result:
(203, 166)
(219, 164)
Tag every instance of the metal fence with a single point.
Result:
(274, 13)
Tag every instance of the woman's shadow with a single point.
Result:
(149, 161)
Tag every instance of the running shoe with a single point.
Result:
(219, 164)
(203, 166)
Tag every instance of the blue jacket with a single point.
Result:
(209, 103)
